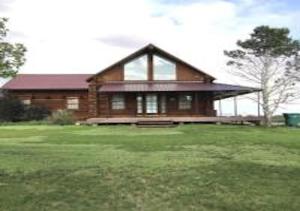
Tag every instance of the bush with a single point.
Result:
(11, 109)
(25, 123)
(35, 113)
(62, 117)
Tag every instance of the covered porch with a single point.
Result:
(132, 102)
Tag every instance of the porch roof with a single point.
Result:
(219, 90)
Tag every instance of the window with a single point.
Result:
(185, 101)
(26, 101)
(117, 102)
(151, 104)
(139, 100)
(73, 103)
(137, 69)
(163, 69)
(163, 104)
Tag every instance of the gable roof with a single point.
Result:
(151, 48)
(48, 82)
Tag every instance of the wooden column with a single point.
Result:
(196, 103)
(108, 99)
(93, 99)
(150, 66)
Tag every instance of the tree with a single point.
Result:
(11, 109)
(11, 55)
(268, 59)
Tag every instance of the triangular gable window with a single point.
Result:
(136, 69)
(163, 69)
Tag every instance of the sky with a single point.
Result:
(85, 36)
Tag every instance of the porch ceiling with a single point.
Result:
(220, 91)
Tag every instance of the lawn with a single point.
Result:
(191, 167)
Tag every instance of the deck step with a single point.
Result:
(152, 123)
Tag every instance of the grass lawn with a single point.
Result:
(191, 167)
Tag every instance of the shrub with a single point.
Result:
(62, 117)
(25, 123)
(35, 113)
(11, 109)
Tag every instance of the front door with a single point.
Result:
(151, 104)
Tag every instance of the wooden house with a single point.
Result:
(148, 83)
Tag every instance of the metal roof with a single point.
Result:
(220, 91)
(170, 87)
(48, 82)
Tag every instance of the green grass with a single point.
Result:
(191, 167)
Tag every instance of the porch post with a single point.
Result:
(93, 99)
(196, 103)
(220, 108)
(235, 106)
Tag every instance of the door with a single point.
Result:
(163, 104)
(151, 104)
(139, 104)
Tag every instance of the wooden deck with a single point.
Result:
(136, 120)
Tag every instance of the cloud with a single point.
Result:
(16, 36)
(180, 2)
(123, 41)
(5, 5)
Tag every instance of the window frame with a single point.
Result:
(151, 103)
(139, 104)
(174, 77)
(187, 104)
(163, 103)
(26, 102)
(72, 105)
(146, 68)
(118, 105)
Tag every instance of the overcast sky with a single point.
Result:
(85, 36)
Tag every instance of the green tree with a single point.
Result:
(268, 59)
(11, 55)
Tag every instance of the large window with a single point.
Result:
(73, 103)
(118, 102)
(139, 100)
(151, 104)
(163, 69)
(136, 69)
(185, 101)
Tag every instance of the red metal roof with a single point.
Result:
(48, 82)
(171, 87)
